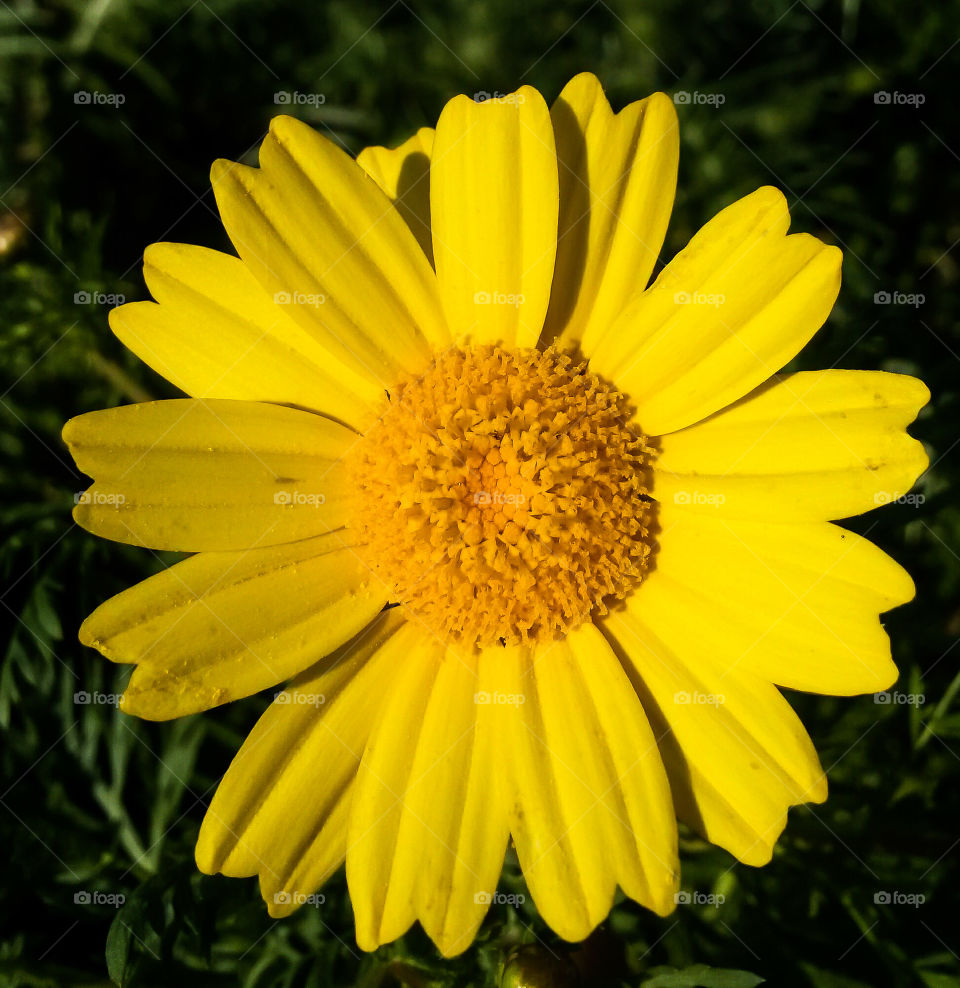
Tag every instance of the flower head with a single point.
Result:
(436, 377)
(503, 496)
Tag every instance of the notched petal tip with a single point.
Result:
(280, 905)
(72, 431)
(89, 632)
(904, 391)
(663, 901)
(153, 253)
(659, 103)
(770, 211)
(203, 855)
(587, 87)
(283, 123)
(289, 133)
(831, 257)
(223, 169)
(453, 942)
(761, 853)
(145, 705)
(156, 695)
(818, 791)
(768, 195)
(84, 516)
(585, 80)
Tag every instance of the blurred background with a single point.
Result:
(110, 114)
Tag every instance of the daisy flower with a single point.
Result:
(533, 543)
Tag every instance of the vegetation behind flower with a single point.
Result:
(107, 127)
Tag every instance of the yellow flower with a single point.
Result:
(435, 377)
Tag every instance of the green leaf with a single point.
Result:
(119, 943)
(702, 976)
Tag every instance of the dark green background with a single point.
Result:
(95, 801)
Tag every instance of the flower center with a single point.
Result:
(502, 495)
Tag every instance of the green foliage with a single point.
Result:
(98, 806)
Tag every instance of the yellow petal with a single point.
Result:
(312, 226)
(736, 754)
(209, 475)
(494, 202)
(727, 312)
(404, 175)
(427, 831)
(217, 334)
(460, 838)
(384, 909)
(202, 634)
(816, 445)
(798, 605)
(618, 176)
(588, 799)
(610, 779)
(280, 810)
